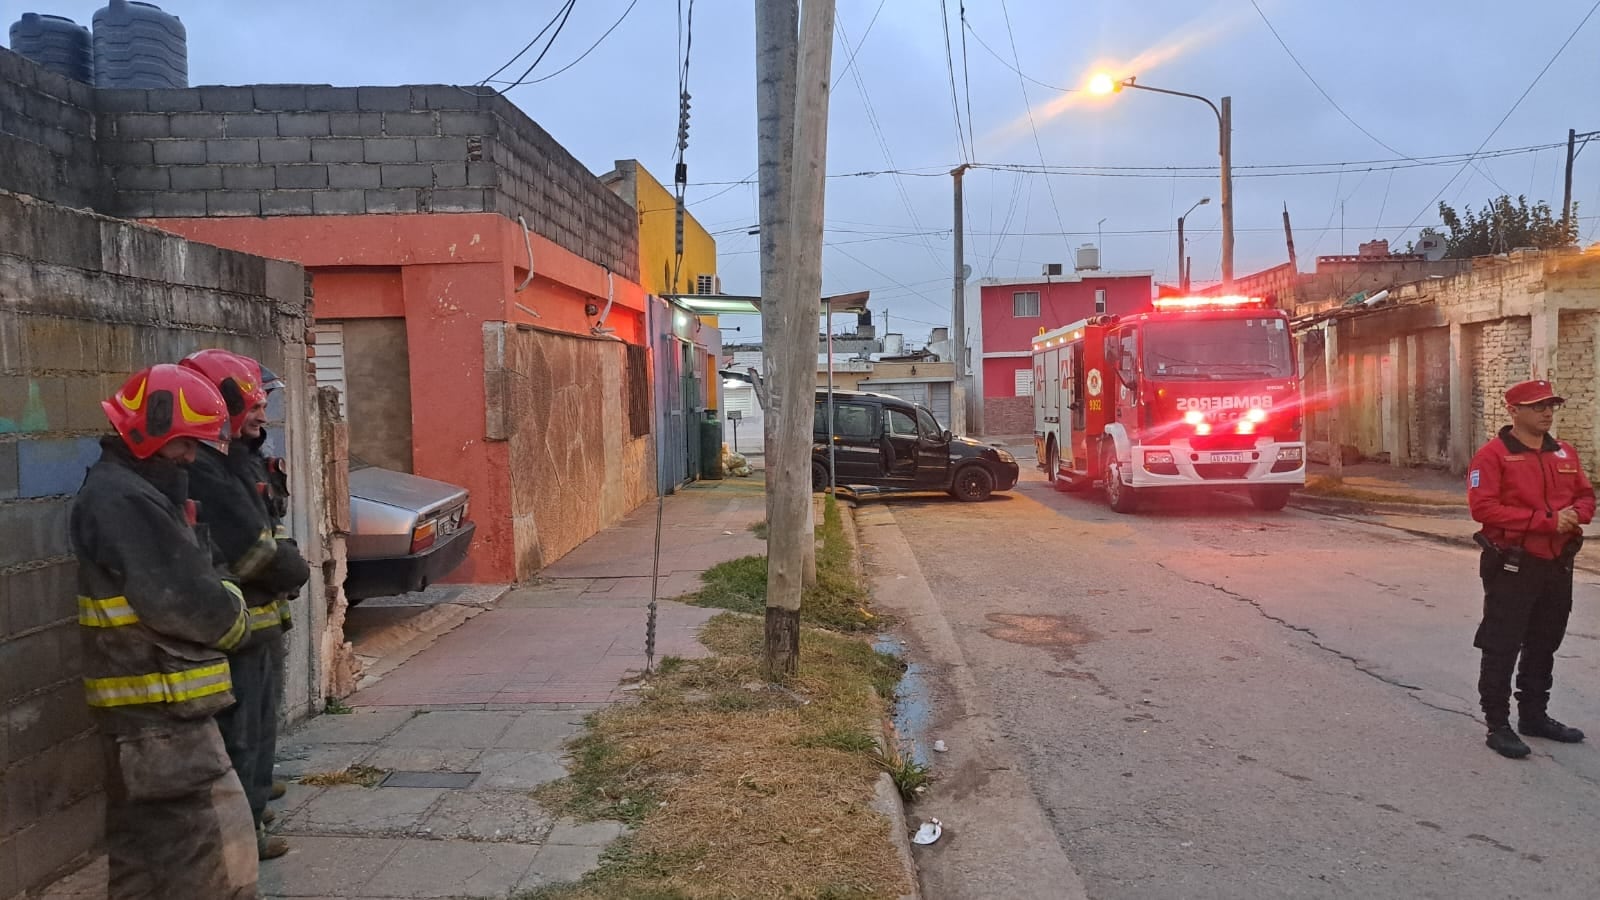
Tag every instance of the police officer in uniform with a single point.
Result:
(1529, 492)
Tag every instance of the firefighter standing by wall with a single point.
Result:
(1531, 495)
(232, 496)
(156, 620)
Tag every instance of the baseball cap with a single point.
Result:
(1532, 392)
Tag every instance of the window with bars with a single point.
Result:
(1025, 305)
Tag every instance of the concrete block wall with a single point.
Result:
(47, 135)
(85, 301)
(300, 150)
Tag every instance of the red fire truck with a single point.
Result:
(1196, 392)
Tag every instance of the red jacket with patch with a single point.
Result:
(1516, 492)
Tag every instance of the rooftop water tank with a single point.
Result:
(136, 45)
(56, 43)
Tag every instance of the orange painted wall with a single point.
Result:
(447, 275)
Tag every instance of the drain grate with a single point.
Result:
(449, 780)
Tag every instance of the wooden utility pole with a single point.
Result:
(792, 109)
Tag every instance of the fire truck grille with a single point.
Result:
(1222, 470)
(1223, 441)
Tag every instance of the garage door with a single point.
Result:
(934, 395)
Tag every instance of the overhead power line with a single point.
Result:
(950, 65)
(1498, 125)
(585, 55)
(1004, 62)
(1027, 104)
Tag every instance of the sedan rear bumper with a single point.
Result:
(403, 574)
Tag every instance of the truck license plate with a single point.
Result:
(1227, 457)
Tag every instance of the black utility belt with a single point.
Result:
(1512, 559)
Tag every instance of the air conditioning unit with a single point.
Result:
(707, 284)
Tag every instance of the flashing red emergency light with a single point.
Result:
(1228, 302)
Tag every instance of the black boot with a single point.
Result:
(1542, 726)
(1505, 742)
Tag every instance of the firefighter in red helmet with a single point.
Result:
(232, 494)
(157, 622)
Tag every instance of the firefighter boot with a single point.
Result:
(268, 817)
(278, 790)
(1542, 726)
(268, 846)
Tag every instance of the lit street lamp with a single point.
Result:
(1183, 267)
(1104, 84)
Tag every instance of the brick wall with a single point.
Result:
(1500, 358)
(84, 301)
(47, 135)
(1575, 378)
(1007, 415)
(299, 150)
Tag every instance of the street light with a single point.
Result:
(1104, 84)
(1183, 268)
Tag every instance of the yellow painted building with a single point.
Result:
(696, 273)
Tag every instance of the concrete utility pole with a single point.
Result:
(958, 312)
(1225, 122)
(1566, 195)
(792, 110)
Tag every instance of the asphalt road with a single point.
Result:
(1208, 701)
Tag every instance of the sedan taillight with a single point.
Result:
(423, 535)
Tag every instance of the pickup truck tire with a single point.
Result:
(819, 477)
(972, 484)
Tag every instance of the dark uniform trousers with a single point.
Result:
(1524, 612)
(178, 826)
(250, 726)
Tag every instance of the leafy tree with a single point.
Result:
(1503, 225)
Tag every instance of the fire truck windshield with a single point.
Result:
(1218, 349)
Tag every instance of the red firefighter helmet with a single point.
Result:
(165, 402)
(237, 377)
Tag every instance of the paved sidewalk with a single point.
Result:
(451, 741)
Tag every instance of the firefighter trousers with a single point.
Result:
(250, 726)
(1524, 615)
(177, 823)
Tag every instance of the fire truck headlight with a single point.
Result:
(1289, 454)
(1194, 417)
(1247, 427)
(1257, 415)
(1203, 428)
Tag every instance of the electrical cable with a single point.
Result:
(1028, 105)
(1044, 84)
(1498, 125)
(523, 78)
(597, 43)
(966, 78)
(528, 46)
(950, 66)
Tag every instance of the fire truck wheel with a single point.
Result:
(973, 484)
(1121, 497)
(1269, 497)
(819, 477)
(1052, 469)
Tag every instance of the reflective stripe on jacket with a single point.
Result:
(154, 616)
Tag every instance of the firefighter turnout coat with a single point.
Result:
(156, 616)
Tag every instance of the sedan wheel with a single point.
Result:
(973, 484)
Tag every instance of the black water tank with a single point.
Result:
(58, 44)
(136, 45)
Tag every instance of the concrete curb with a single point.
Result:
(886, 798)
(1314, 503)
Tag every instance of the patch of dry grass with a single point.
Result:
(837, 601)
(736, 787)
(1328, 486)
